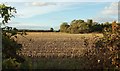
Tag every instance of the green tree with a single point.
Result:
(51, 29)
(96, 27)
(79, 26)
(107, 25)
(75, 26)
(6, 12)
(84, 28)
(90, 21)
(63, 27)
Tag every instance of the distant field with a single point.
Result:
(54, 44)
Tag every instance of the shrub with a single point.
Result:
(10, 64)
(110, 44)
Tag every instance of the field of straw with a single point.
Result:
(54, 50)
(53, 44)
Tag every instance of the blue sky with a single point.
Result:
(43, 15)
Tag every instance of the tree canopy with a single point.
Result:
(80, 26)
(6, 12)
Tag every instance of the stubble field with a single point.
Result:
(55, 44)
(57, 50)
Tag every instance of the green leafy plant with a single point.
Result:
(10, 47)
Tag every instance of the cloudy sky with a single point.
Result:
(43, 15)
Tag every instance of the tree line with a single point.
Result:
(27, 30)
(80, 26)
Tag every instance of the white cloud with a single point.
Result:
(109, 13)
(111, 10)
(42, 3)
(31, 9)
